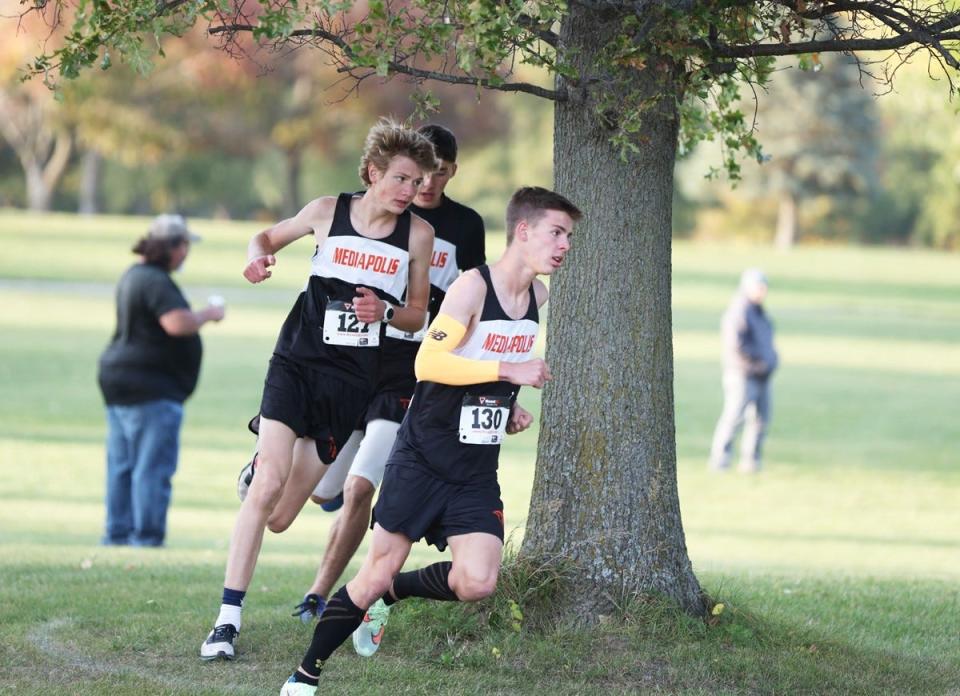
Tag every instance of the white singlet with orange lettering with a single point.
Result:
(457, 430)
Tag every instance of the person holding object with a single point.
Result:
(749, 360)
(145, 374)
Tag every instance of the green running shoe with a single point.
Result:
(367, 637)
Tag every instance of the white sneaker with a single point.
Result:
(295, 688)
(220, 643)
(367, 637)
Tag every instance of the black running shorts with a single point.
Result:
(313, 404)
(388, 405)
(418, 505)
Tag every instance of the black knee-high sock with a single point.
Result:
(430, 582)
(338, 621)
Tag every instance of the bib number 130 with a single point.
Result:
(483, 419)
(342, 328)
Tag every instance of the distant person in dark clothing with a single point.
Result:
(146, 373)
(749, 359)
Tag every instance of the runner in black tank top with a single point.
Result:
(325, 362)
(352, 479)
(458, 245)
(322, 331)
(440, 481)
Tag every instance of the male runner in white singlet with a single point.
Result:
(324, 366)
(441, 479)
(459, 245)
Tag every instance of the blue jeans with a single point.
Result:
(143, 441)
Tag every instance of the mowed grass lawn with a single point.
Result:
(838, 565)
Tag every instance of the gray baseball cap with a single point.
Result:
(752, 277)
(171, 227)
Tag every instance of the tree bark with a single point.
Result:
(605, 491)
(788, 221)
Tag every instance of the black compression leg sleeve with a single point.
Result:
(338, 621)
(430, 582)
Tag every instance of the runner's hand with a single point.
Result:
(256, 268)
(533, 373)
(367, 306)
(520, 420)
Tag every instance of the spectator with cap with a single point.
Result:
(146, 373)
(749, 359)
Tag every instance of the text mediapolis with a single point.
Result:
(499, 343)
(377, 263)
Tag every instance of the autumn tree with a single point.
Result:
(630, 78)
(31, 126)
(820, 132)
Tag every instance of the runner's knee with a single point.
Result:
(473, 584)
(279, 523)
(356, 492)
(266, 489)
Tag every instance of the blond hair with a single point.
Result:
(388, 139)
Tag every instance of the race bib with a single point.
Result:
(416, 336)
(342, 328)
(483, 419)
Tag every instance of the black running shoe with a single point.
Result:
(220, 643)
(310, 608)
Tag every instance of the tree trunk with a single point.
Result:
(39, 195)
(605, 491)
(44, 167)
(788, 221)
(90, 183)
(293, 161)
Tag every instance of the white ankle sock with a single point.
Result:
(229, 614)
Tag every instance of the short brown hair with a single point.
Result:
(531, 202)
(388, 139)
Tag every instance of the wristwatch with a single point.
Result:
(388, 312)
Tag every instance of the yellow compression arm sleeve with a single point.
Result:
(437, 363)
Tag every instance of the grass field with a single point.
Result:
(838, 565)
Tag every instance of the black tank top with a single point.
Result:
(321, 330)
(457, 430)
(458, 245)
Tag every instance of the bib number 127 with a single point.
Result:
(342, 328)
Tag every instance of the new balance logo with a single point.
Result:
(437, 334)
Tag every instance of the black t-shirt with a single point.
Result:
(459, 230)
(143, 362)
(458, 245)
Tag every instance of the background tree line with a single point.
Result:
(210, 134)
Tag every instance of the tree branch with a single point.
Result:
(403, 69)
(907, 30)
(910, 24)
(545, 35)
(833, 46)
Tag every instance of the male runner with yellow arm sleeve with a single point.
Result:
(440, 482)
